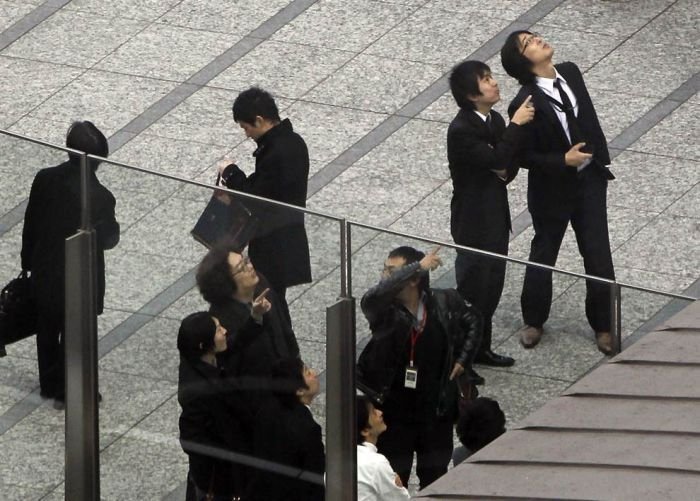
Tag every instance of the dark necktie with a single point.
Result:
(568, 109)
(488, 122)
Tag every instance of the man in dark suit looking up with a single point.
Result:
(53, 214)
(482, 155)
(566, 155)
(280, 248)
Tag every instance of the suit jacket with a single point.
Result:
(52, 215)
(280, 248)
(551, 183)
(288, 436)
(479, 197)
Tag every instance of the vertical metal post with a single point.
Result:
(341, 445)
(616, 316)
(85, 223)
(82, 471)
(345, 259)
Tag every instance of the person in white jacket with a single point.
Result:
(376, 479)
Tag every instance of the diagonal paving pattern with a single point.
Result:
(365, 83)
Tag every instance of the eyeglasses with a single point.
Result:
(242, 266)
(528, 40)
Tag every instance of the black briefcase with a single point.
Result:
(230, 221)
(17, 311)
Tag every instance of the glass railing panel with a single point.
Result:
(31, 431)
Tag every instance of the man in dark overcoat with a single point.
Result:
(52, 215)
(279, 248)
(566, 155)
(482, 155)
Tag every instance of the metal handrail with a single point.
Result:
(502, 257)
(350, 222)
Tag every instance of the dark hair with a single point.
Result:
(287, 378)
(196, 335)
(214, 279)
(514, 62)
(84, 136)
(464, 82)
(364, 406)
(411, 255)
(252, 103)
(481, 422)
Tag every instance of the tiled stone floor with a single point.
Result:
(363, 81)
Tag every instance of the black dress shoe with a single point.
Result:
(488, 357)
(474, 378)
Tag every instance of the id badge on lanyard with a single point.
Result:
(410, 379)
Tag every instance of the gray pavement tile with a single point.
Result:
(625, 222)
(430, 216)
(284, 69)
(443, 109)
(166, 231)
(44, 130)
(163, 420)
(676, 26)
(189, 303)
(611, 18)
(204, 117)
(309, 310)
(37, 80)
(637, 69)
(55, 40)
(343, 24)
(134, 205)
(13, 11)
(141, 466)
(566, 352)
(375, 84)
(518, 394)
(145, 10)
(170, 156)
(33, 450)
(676, 135)
(167, 52)
(110, 100)
(667, 245)
(385, 205)
(150, 352)
(505, 9)
(688, 205)
(13, 492)
(134, 278)
(143, 395)
(16, 190)
(649, 182)
(329, 130)
(109, 320)
(18, 378)
(618, 111)
(236, 16)
(436, 36)
(695, 99)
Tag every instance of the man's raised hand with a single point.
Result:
(431, 261)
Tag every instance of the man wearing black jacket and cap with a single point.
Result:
(482, 154)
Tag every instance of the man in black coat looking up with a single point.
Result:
(566, 155)
(279, 248)
(52, 215)
(482, 155)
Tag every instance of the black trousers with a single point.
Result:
(589, 219)
(51, 354)
(480, 279)
(430, 441)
